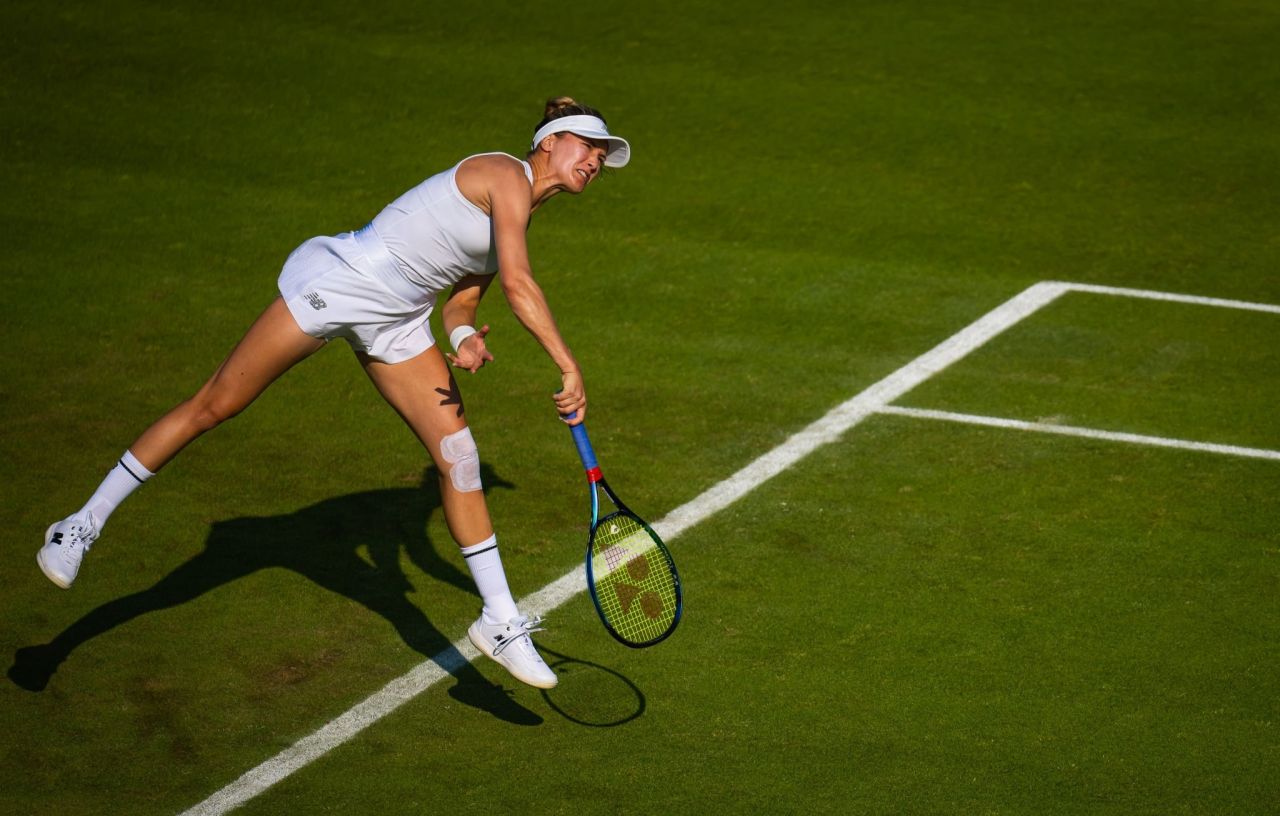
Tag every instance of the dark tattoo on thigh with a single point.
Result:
(452, 396)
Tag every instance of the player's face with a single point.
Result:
(576, 161)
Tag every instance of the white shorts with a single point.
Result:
(332, 289)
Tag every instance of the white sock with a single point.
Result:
(126, 477)
(486, 569)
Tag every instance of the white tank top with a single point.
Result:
(434, 235)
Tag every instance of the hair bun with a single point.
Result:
(557, 103)
(560, 106)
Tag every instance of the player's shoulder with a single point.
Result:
(497, 166)
(489, 177)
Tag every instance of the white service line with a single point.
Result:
(825, 430)
(852, 411)
(1170, 297)
(1088, 433)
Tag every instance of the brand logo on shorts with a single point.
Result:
(315, 300)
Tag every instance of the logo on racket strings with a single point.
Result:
(631, 592)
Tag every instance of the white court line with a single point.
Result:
(1137, 439)
(1088, 433)
(823, 431)
(1147, 294)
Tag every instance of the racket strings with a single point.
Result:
(634, 585)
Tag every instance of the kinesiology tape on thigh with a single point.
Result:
(463, 460)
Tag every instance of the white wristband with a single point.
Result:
(459, 334)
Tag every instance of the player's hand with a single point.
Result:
(473, 353)
(571, 397)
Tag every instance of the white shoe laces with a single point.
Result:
(523, 626)
(84, 531)
(77, 538)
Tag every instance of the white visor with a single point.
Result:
(617, 154)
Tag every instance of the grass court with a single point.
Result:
(1030, 567)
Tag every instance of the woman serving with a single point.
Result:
(376, 288)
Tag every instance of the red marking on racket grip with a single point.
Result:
(594, 475)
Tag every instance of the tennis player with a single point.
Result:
(375, 288)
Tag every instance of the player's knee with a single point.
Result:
(209, 410)
(461, 461)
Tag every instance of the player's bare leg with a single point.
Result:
(272, 345)
(423, 391)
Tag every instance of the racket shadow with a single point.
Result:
(326, 543)
(591, 694)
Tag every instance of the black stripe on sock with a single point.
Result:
(478, 552)
(130, 472)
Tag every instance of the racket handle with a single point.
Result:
(585, 452)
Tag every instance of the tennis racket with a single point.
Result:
(630, 574)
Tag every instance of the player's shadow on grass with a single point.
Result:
(322, 543)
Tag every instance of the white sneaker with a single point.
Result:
(65, 544)
(510, 645)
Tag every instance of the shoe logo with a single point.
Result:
(315, 300)
(57, 539)
(499, 638)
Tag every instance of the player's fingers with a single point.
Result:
(567, 398)
(577, 407)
